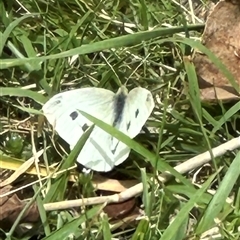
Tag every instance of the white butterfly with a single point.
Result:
(127, 112)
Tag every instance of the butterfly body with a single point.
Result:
(125, 111)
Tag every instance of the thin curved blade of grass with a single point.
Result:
(193, 89)
(117, 42)
(172, 230)
(144, 14)
(180, 233)
(29, 110)
(29, 49)
(154, 160)
(195, 100)
(189, 192)
(42, 212)
(12, 25)
(72, 228)
(106, 231)
(219, 198)
(145, 196)
(60, 181)
(19, 92)
(209, 118)
(29, 66)
(227, 115)
(179, 116)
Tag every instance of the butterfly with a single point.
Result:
(125, 111)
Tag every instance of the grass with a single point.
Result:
(52, 47)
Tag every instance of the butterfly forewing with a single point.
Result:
(62, 111)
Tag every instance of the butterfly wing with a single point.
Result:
(138, 107)
(62, 111)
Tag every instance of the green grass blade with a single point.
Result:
(171, 231)
(219, 198)
(19, 92)
(146, 196)
(117, 42)
(72, 228)
(142, 231)
(42, 212)
(230, 113)
(106, 231)
(193, 88)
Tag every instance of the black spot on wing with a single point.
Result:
(114, 150)
(136, 113)
(73, 115)
(85, 127)
(149, 97)
(119, 104)
(57, 102)
(128, 125)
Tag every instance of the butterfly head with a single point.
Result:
(122, 90)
